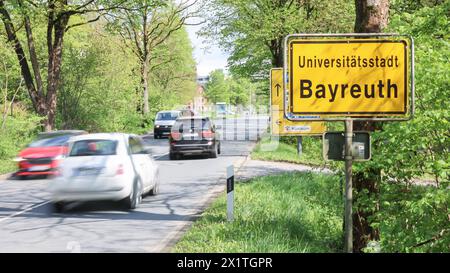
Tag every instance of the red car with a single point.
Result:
(42, 156)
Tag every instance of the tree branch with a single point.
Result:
(434, 238)
(84, 23)
(32, 52)
(25, 69)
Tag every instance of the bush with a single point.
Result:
(18, 130)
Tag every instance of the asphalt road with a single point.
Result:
(27, 223)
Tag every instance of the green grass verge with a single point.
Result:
(296, 212)
(312, 152)
(7, 166)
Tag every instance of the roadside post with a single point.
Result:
(247, 134)
(230, 193)
(346, 78)
(257, 126)
(224, 126)
(235, 129)
(299, 145)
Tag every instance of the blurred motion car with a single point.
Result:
(42, 156)
(163, 123)
(194, 136)
(105, 166)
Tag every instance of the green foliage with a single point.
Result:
(217, 89)
(410, 6)
(418, 149)
(233, 90)
(100, 78)
(297, 212)
(414, 219)
(17, 125)
(153, 31)
(173, 73)
(98, 86)
(19, 129)
(252, 31)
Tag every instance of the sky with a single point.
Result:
(208, 56)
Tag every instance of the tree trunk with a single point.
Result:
(54, 71)
(276, 49)
(43, 104)
(371, 17)
(145, 75)
(25, 69)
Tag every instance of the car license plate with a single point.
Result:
(39, 168)
(190, 135)
(87, 172)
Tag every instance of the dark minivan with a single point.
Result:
(194, 136)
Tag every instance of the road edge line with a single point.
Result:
(219, 188)
(24, 210)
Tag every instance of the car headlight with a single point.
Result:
(156, 126)
(18, 159)
(58, 157)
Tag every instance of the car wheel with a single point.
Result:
(58, 207)
(218, 149)
(175, 156)
(156, 136)
(155, 189)
(214, 153)
(134, 198)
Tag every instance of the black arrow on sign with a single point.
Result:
(278, 86)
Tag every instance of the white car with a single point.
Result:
(164, 121)
(107, 166)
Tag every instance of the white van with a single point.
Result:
(164, 121)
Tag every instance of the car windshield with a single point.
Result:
(203, 124)
(49, 141)
(167, 116)
(93, 147)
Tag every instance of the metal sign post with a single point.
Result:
(348, 243)
(299, 145)
(230, 193)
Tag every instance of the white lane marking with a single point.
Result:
(159, 156)
(23, 211)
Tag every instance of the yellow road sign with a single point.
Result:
(351, 77)
(280, 125)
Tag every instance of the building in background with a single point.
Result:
(199, 103)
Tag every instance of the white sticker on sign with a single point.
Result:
(361, 150)
(297, 128)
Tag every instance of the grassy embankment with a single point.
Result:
(296, 212)
(284, 152)
(302, 212)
